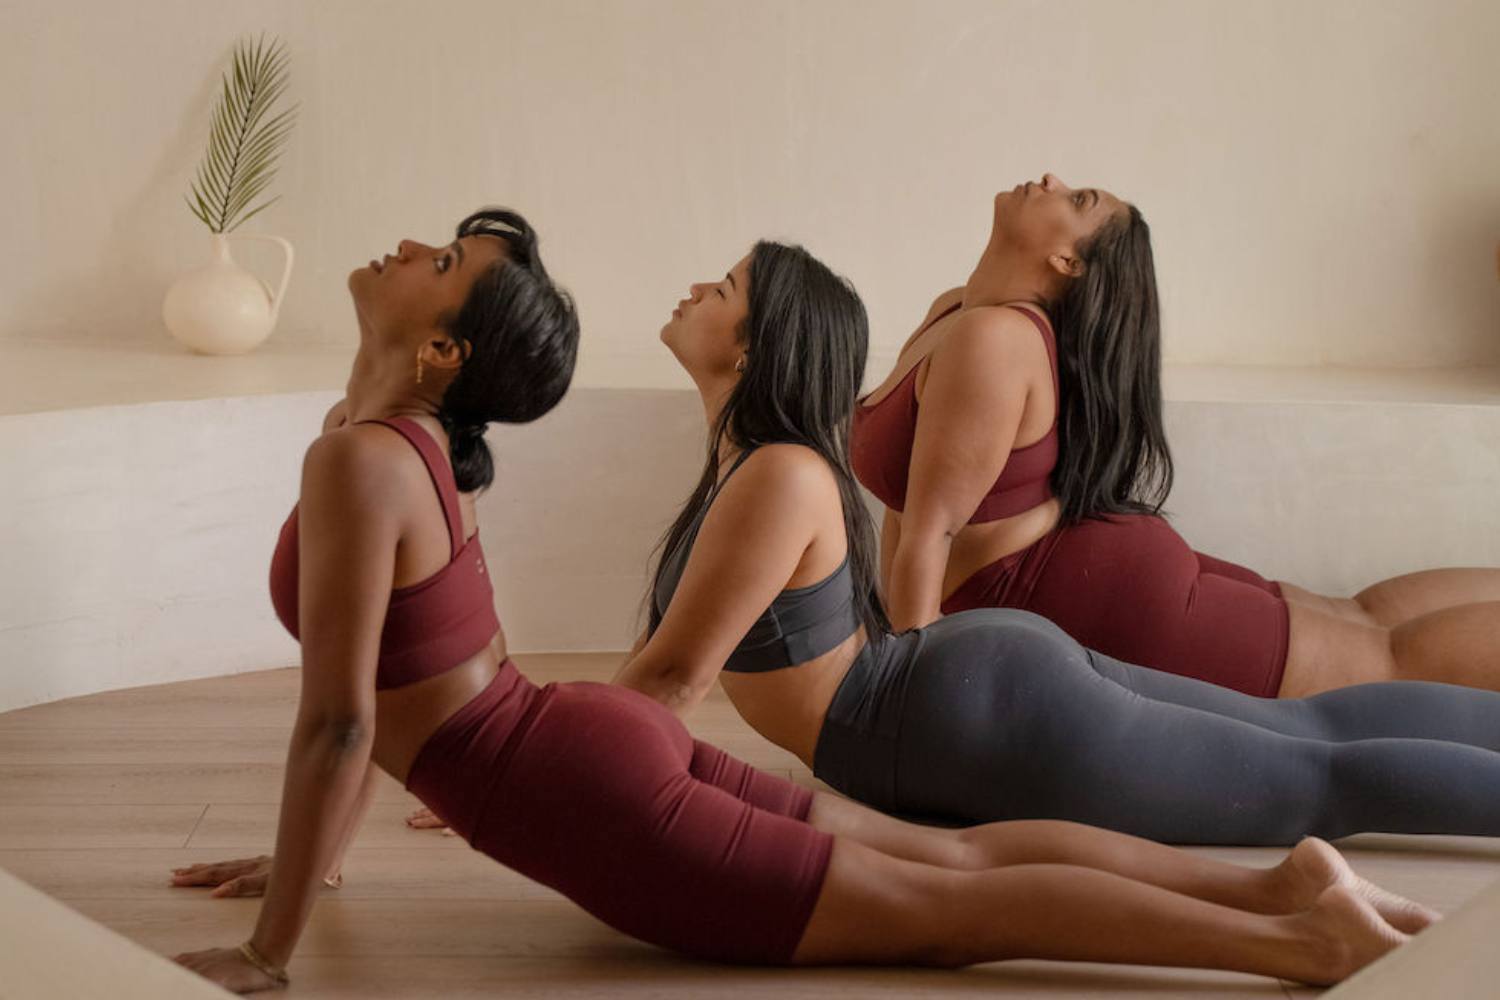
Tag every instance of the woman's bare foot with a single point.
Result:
(1314, 865)
(426, 819)
(1345, 934)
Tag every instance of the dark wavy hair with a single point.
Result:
(1113, 456)
(805, 343)
(521, 331)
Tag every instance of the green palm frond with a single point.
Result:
(245, 139)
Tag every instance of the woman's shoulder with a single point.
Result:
(792, 471)
(990, 332)
(357, 456)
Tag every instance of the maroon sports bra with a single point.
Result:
(881, 438)
(431, 626)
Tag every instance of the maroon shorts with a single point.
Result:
(1129, 587)
(601, 793)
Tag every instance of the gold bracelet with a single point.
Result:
(262, 963)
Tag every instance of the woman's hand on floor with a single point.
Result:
(228, 968)
(426, 819)
(241, 877)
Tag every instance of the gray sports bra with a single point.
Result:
(801, 624)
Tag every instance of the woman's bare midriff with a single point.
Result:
(787, 706)
(978, 545)
(407, 716)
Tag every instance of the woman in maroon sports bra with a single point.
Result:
(379, 573)
(1026, 468)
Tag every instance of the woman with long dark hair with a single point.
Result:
(1027, 468)
(673, 841)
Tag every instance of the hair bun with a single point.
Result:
(467, 432)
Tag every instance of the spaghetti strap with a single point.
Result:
(438, 469)
(732, 470)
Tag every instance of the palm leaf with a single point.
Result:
(245, 139)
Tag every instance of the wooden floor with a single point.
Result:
(100, 796)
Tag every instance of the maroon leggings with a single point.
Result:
(1132, 589)
(601, 793)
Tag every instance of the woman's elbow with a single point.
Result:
(339, 734)
(673, 686)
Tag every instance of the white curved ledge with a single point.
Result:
(138, 530)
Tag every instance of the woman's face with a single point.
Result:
(411, 293)
(704, 332)
(1047, 217)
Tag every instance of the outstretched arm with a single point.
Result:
(348, 543)
(747, 549)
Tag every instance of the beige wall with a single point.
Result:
(1323, 178)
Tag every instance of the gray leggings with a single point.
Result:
(998, 714)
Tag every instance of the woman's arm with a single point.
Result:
(890, 537)
(348, 534)
(335, 874)
(971, 408)
(348, 539)
(747, 549)
(337, 415)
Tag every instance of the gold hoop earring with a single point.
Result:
(419, 369)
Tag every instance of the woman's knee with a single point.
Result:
(946, 848)
(875, 908)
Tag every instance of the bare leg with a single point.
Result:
(882, 910)
(1404, 598)
(1458, 645)
(1289, 887)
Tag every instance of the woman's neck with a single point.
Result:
(1001, 276)
(714, 394)
(376, 391)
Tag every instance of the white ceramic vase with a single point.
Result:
(221, 308)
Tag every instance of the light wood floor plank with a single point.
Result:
(251, 827)
(427, 871)
(94, 827)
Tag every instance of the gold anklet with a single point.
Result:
(262, 963)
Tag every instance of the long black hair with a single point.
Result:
(805, 343)
(1112, 456)
(522, 333)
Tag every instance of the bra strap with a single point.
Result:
(438, 469)
(719, 486)
(1050, 339)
